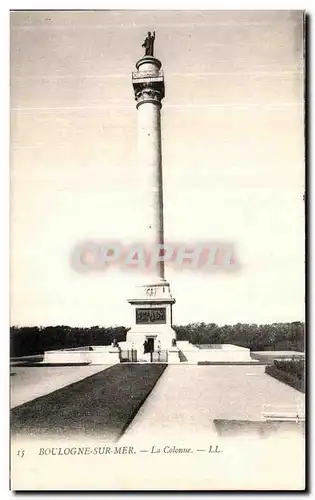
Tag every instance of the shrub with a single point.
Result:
(288, 372)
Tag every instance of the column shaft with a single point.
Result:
(150, 153)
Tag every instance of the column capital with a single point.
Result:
(148, 81)
(148, 94)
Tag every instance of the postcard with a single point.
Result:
(157, 250)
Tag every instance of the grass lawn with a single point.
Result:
(102, 405)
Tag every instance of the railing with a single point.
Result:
(283, 413)
(129, 355)
(160, 356)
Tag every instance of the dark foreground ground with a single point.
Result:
(102, 405)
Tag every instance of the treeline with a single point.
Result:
(274, 337)
(290, 372)
(26, 341)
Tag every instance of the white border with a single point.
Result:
(4, 169)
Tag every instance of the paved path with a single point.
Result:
(179, 415)
(187, 399)
(31, 382)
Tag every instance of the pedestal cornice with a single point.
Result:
(148, 60)
(167, 300)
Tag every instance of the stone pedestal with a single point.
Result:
(152, 316)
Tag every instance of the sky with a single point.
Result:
(233, 160)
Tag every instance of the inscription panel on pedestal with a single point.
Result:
(148, 316)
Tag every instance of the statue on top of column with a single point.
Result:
(148, 44)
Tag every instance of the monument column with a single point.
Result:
(152, 302)
(148, 83)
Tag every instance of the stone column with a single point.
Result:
(148, 84)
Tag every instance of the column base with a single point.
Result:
(152, 316)
(163, 338)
